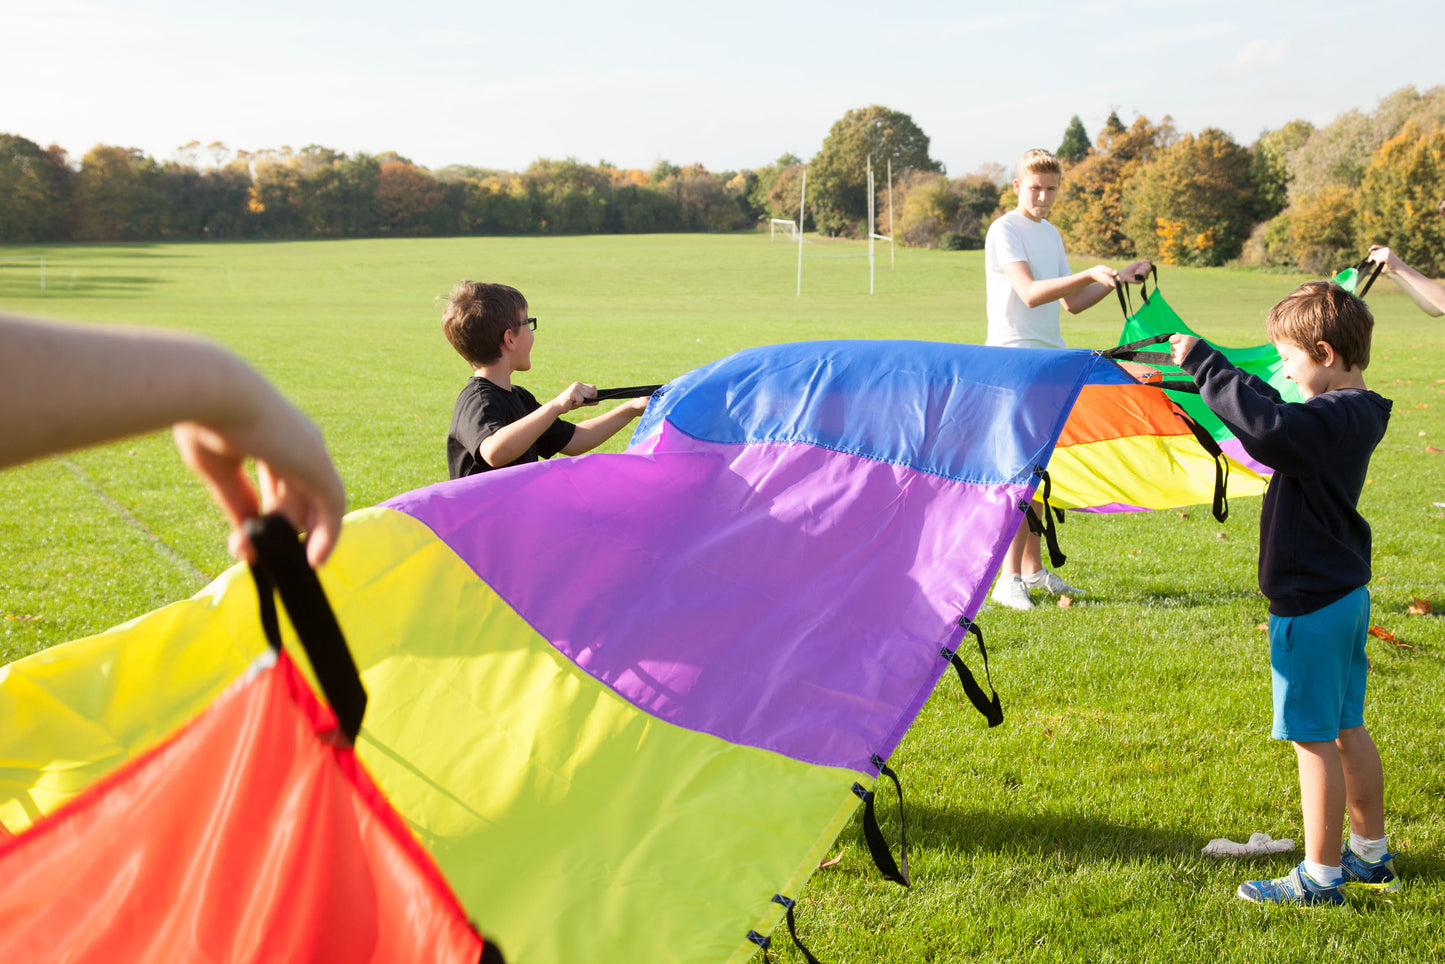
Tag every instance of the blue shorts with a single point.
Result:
(1318, 665)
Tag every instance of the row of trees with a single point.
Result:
(1300, 195)
(1308, 197)
(119, 194)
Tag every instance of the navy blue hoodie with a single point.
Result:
(1314, 546)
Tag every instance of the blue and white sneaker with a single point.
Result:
(1375, 874)
(1296, 887)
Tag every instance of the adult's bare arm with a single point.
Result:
(64, 387)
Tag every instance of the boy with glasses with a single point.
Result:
(496, 423)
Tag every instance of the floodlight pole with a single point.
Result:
(802, 200)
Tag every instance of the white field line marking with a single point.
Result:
(375, 281)
(182, 563)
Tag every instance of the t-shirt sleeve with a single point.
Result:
(1008, 244)
(555, 438)
(478, 415)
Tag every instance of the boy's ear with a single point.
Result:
(1329, 352)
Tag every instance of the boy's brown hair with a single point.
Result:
(478, 315)
(1319, 311)
(1039, 161)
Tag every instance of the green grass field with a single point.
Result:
(1136, 722)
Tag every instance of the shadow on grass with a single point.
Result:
(1067, 835)
(84, 286)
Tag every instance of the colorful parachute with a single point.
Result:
(1155, 318)
(626, 701)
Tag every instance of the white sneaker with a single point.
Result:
(1050, 582)
(1010, 591)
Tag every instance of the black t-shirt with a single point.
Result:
(1314, 546)
(481, 409)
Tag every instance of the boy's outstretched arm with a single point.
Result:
(63, 387)
(595, 431)
(1286, 437)
(508, 443)
(1427, 293)
(1077, 291)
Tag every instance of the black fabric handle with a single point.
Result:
(1379, 265)
(1176, 385)
(281, 566)
(635, 391)
(1046, 527)
(788, 903)
(990, 707)
(1221, 464)
(1131, 352)
(896, 871)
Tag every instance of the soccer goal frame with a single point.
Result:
(786, 227)
(31, 257)
(873, 234)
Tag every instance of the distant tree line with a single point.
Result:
(1302, 196)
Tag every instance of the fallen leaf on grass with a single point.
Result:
(1433, 450)
(1065, 602)
(1262, 627)
(23, 619)
(1222, 537)
(1420, 607)
(830, 862)
(1380, 632)
(1184, 515)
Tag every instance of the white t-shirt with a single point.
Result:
(1012, 323)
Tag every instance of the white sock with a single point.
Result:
(1367, 849)
(1324, 873)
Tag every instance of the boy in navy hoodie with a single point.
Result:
(1314, 564)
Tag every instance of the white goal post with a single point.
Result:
(785, 228)
(32, 257)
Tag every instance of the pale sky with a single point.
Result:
(730, 84)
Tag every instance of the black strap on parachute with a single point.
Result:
(635, 391)
(765, 942)
(281, 566)
(1131, 351)
(877, 846)
(1221, 464)
(1361, 268)
(1048, 525)
(991, 709)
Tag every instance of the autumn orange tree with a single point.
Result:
(1193, 203)
(1090, 210)
(408, 200)
(1399, 198)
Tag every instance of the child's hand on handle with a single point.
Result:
(576, 395)
(1179, 346)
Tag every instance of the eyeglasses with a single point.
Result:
(530, 323)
